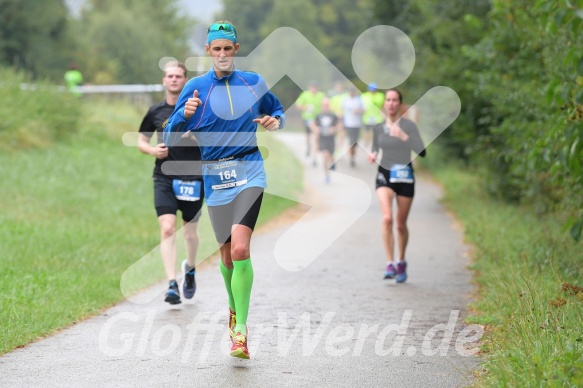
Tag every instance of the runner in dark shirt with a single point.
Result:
(325, 126)
(396, 138)
(174, 192)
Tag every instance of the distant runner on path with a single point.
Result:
(396, 138)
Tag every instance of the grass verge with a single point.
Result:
(76, 215)
(529, 274)
(34, 117)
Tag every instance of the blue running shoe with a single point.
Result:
(401, 271)
(188, 282)
(173, 295)
(390, 272)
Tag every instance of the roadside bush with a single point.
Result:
(35, 114)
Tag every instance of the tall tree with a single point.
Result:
(248, 17)
(535, 144)
(331, 26)
(32, 36)
(123, 41)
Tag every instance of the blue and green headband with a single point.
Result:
(221, 31)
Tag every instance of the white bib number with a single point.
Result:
(226, 174)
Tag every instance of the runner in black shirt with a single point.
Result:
(325, 126)
(172, 193)
(396, 137)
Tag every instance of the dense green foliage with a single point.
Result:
(518, 68)
(527, 271)
(123, 41)
(331, 26)
(535, 88)
(33, 36)
(111, 41)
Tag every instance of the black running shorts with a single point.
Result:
(400, 188)
(243, 210)
(166, 202)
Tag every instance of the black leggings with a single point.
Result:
(243, 210)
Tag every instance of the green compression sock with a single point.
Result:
(241, 285)
(227, 276)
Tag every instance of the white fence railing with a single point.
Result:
(92, 89)
(139, 95)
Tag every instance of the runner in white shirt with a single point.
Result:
(352, 110)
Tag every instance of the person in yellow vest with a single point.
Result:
(373, 101)
(73, 79)
(309, 103)
(336, 95)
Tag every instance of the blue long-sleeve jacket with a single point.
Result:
(223, 125)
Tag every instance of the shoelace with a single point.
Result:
(240, 339)
(232, 323)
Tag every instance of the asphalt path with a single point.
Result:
(321, 314)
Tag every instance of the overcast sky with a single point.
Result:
(201, 9)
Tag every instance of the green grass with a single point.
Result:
(524, 265)
(76, 215)
(34, 118)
